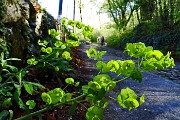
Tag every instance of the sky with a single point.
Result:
(89, 14)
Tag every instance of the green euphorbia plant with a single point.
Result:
(87, 30)
(54, 53)
(96, 89)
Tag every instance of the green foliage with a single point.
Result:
(55, 54)
(63, 21)
(119, 39)
(128, 99)
(102, 83)
(69, 80)
(32, 61)
(12, 81)
(53, 32)
(137, 49)
(54, 96)
(86, 30)
(71, 23)
(94, 113)
(79, 25)
(5, 114)
(151, 59)
(2, 10)
(92, 53)
(31, 104)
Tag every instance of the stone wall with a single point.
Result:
(23, 26)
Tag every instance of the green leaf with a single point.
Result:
(63, 46)
(17, 98)
(65, 97)
(53, 32)
(119, 71)
(110, 86)
(56, 68)
(102, 66)
(131, 103)
(127, 99)
(32, 61)
(103, 103)
(113, 65)
(142, 99)
(45, 42)
(37, 85)
(71, 23)
(91, 97)
(79, 25)
(57, 54)
(127, 67)
(4, 115)
(28, 87)
(31, 104)
(101, 77)
(46, 98)
(48, 50)
(7, 102)
(0, 78)
(66, 55)
(100, 94)
(77, 84)
(137, 75)
(85, 89)
(156, 54)
(43, 49)
(91, 52)
(40, 43)
(94, 113)
(56, 95)
(69, 81)
(94, 85)
(72, 109)
(13, 68)
(63, 21)
(135, 49)
(11, 114)
(58, 43)
(126, 93)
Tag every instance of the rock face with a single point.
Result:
(22, 26)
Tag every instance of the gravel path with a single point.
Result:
(162, 95)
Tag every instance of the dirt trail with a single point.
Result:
(162, 96)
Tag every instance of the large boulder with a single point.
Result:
(23, 25)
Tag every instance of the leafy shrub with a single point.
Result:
(96, 89)
(114, 39)
(119, 40)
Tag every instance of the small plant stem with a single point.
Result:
(75, 92)
(82, 105)
(45, 57)
(47, 108)
(112, 98)
(6, 82)
(139, 63)
(100, 71)
(122, 79)
(116, 77)
(66, 87)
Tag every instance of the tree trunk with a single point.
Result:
(139, 21)
(80, 9)
(74, 11)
